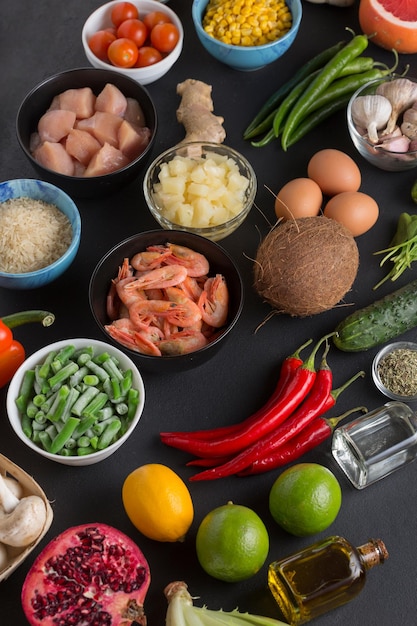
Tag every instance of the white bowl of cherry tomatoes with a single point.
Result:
(140, 38)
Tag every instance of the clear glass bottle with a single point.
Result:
(377, 443)
(322, 577)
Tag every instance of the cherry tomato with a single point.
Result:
(123, 11)
(133, 29)
(164, 37)
(156, 17)
(99, 43)
(122, 52)
(147, 56)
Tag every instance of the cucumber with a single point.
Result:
(379, 322)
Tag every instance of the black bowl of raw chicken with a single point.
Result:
(171, 308)
(86, 145)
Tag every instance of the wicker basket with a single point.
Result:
(30, 487)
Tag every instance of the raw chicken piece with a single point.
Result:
(54, 157)
(55, 124)
(111, 100)
(82, 145)
(107, 159)
(81, 101)
(133, 139)
(134, 113)
(34, 142)
(104, 127)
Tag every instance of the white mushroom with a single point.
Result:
(21, 521)
(4, 557)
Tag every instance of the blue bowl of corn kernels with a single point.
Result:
(251, 53)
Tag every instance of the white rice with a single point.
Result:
(33, 234)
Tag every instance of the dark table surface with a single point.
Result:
(38, 39)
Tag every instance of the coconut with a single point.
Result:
(306, 266)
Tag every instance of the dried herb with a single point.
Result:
(398, 372)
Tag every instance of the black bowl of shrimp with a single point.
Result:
(168, 299)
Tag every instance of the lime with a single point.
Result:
(305, 499)
(232, 543)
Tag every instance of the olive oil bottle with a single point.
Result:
(322, 577)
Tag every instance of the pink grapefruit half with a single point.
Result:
(393, 23)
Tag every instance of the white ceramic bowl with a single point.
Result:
(377, 156)
(380, 380)
(100, 19)
(46, 192)
(198, 151)
(38, 357)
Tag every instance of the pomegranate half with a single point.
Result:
(89, 574)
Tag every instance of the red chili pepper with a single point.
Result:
(311, 437)
(295, 392)
(318, 402)
(288, 367)
(12, 353)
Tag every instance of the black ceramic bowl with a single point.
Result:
(38, 101)
(220, 262)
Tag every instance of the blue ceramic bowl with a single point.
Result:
(245, 57)
(40, 190)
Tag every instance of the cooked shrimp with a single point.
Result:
(167, 276)
(143, 341)
(191, 287)
(214, 301)
(183, 342)
(196, 263)
(146, 312)
(127, 296)
(113, 301)
(149, 259)
(191, 309)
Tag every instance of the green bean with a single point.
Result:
(82, 355)
(97, 370)
(40, 417)
(41, 380)
(71, 444)
(122, 408)
(62, 437)
(97, 403)
(27, 427)
(91, 380)
(126, 382)
(58, 406)
(111, 367)
(62, 375)
(83, 442)
(25, 390)
(45, 440)
(51, 430)
(84, 426)
(109, 434)
(85, 451)
(62, 357)
(38, 426)
(39, 399)
(105, 413)
(31, 409)
(84, 399)
(45, 367)
(133, 402)
(327, 75)
(316, 62)
(78, 376)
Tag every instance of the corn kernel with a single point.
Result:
(247, 22)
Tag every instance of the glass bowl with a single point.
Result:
(378, 156)
(398, 379)
(198, 153)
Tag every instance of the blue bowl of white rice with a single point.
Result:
(40, 232)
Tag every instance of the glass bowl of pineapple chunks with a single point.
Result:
(203, 188)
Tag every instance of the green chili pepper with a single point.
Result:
(316, 118)
(327, 75)
(315, 63)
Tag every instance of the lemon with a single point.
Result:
(158, 502)
(305, 499)
(232, 543)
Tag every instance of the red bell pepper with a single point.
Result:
(12, 353)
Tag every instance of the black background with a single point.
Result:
(41, 38)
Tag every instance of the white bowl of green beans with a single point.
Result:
(76, 401)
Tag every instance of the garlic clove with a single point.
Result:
(402, 94)
(371, 112)
(395, 144)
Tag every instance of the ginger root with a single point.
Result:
(195, 113)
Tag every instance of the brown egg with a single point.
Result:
(357, 211)
(334, 172)
(300, 197)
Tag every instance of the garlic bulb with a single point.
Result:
(371, 113)
(402, 94)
